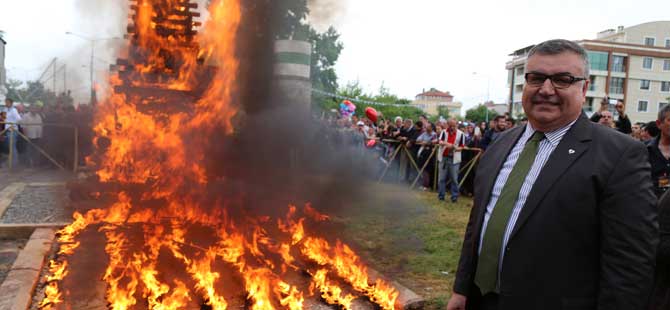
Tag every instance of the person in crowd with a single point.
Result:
(509, 122)
(604, 106)
(564, 215)
(425, 143)
(32, 128)
(606, 119)
(622, 123)
(359, 134)
(424, 120)
(12, 118)
(498, 126)
(660, 297)
(649, 131)
(636, 130)
(471, 141)
(451, 142)
(482, 127)
(659, 153)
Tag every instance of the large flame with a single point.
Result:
(163, 153)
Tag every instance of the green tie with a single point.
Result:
(489, 258)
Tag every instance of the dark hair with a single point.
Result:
(559, 46)
(498, 117)
(419, 124)
(663, 113)
(10, 100)
(652, 129)
(511, 120)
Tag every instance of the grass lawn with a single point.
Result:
(411, 237)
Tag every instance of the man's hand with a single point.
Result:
(457, 302)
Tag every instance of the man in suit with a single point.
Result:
(564, 214)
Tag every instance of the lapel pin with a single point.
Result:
(571, 151)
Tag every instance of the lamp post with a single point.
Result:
(93, 41)
(488, 93)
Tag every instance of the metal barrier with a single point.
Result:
(403, 147)
(75, 165)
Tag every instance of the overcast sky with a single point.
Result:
(407, 45)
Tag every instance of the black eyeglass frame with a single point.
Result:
(573, 79)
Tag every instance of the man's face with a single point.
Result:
(8, 103)
(398, 123)
(550, 108)
(501, 124)
(606, 118)
(452, 124)
(408, 124)
(664, 125)
(635, 128)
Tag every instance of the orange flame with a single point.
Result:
(162, 153)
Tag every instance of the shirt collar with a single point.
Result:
(554, 137)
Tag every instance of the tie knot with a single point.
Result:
(537, 136)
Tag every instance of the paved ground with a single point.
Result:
(9, 250)
(33, 175)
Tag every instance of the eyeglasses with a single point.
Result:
(560, 81)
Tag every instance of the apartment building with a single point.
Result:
(432, 99)
(631, 64)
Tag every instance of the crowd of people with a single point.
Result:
(48, 127)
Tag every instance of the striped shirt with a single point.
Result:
(546, 147)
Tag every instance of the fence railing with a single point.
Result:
(401, 147)
(14, 127)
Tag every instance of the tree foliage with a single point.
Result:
(478, 114)
(33, 91)
(354, 90)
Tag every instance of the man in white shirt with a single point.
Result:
(31, 123)
(13, 117)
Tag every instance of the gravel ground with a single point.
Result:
(39, 204)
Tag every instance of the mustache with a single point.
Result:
(544, 99)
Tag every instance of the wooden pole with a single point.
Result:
(41, 151)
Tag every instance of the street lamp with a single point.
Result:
(488, 93)
(93, 41)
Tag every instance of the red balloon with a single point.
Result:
(371, 143)
(371, 113)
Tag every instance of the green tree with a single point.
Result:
(478, 114)
(33, 91)
(355, 91)
(442, 112)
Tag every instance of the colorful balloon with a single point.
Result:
(371, 113)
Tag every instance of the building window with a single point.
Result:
(642, 106)
(647, 63)
(619, 64)
(649, 41)
(661, 105)
(665, 86)
(616, 85)
(598, 60)
(666, 65)
(667, 43)
(519, 71)
(592, 83)
(644, 84)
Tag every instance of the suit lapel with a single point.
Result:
(571, 148)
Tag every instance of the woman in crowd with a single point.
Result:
(425, 143)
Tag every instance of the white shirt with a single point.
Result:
(12, 117)
(546, 147)
(32, 131)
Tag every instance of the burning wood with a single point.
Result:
(167, 245)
